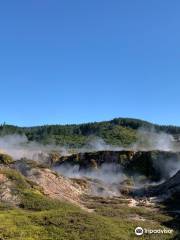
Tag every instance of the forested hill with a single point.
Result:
(119, 131)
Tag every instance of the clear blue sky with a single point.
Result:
(71, 61)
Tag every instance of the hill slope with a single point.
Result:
(119, 131)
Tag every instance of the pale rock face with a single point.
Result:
(53, 185)
(6, 194)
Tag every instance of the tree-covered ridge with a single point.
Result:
(119, 131)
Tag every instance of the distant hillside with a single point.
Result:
(119, 131)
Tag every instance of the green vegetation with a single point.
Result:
(128, 218)
(5, 159)
(71, 223)
(119, 131)
(37, 202)
(68, 222)
(18, 180)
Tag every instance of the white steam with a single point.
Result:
(19, 147)
(104, 181)
(152, 140)
(167, 167)
(98, 144)
(108, 173)
(147, 140)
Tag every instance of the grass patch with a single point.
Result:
(36, 201)
(68, 222)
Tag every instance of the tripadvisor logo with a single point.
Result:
(140, 231)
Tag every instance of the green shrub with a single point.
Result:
(5, 159)
(17, 178)
(32, 200)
